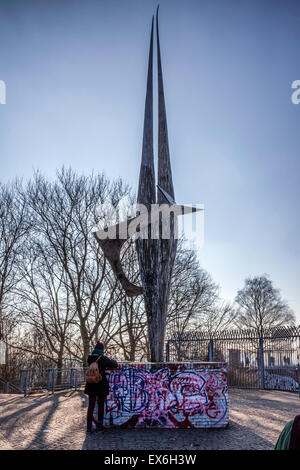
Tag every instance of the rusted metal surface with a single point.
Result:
(156, 254)
(147, 248)
(112, 250)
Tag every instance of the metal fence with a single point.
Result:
(7, 387)
(50, 380)
(268, 361)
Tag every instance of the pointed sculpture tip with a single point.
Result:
(157, 10)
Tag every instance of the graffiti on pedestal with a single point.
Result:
(170, 397)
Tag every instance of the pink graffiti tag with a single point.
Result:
(167, 398)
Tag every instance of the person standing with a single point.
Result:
(98, 391)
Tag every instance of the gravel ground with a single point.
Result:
(58, 422)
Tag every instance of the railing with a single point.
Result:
(50, 380)
(7, 387)
(270, 361)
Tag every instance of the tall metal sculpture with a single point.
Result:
(156, 255)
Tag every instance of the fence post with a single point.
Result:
(168, 351)
(71, 378)
(26, 382)
(21, 381)
(6, 387)
(76, 379)
(261, 363)
(298, 379)
(48, 379)
(53, 380)
(211, 350)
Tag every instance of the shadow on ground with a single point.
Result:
(236, 437)
(256, 419)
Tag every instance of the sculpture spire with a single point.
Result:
(156, 254)
(167, 247)
(146, 190)
(147, 249)
(164, 165)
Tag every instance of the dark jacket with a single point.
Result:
(289, 438)
(101, 388)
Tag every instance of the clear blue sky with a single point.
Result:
(75, 74)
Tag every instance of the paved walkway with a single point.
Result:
(58, 422)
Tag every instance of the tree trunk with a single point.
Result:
(86, 344)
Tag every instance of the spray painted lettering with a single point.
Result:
(174, 396)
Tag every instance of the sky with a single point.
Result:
(75, 75)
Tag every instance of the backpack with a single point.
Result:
(93, 375)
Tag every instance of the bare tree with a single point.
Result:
(14, 227)
(125, 328)
(193, 293)
(260, 306)
(64, 214)
(43, 300)
(218, 318)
